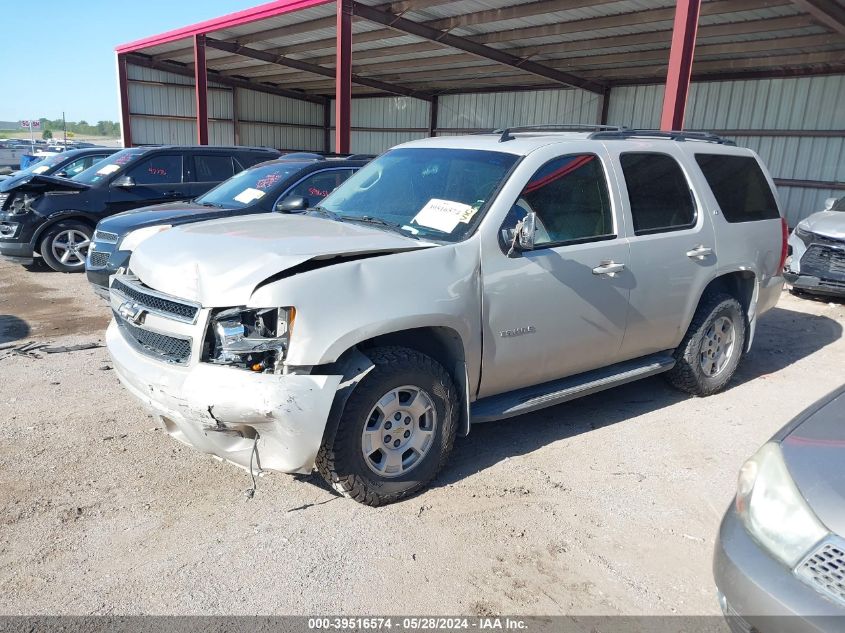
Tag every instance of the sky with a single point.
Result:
(64, 60)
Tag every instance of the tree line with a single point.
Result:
(100, 128)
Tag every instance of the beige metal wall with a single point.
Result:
(163, 111)
(796, 125)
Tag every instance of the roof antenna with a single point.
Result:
(506, 135)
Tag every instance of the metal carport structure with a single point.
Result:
(361, 75)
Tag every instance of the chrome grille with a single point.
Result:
(161, 346)
(3, 198)
(155, 302)
(98, 259)
(824, 570)
(105, 236)
(824, 262)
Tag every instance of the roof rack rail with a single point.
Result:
(672, 135)
(555, 127)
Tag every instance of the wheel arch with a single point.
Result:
(54, 219)
(442, 343)
(742, 285)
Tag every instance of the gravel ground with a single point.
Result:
(608, 505)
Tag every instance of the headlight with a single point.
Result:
(254, 339)
(772, 509)
(133, 239)
(804, 235)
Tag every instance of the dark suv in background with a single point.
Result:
(65, 164)
(285, 185)
(55, 217)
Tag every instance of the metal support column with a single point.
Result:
(123, 91)
(434, 104)
(343, 78)
(680, 64)
(201, 88)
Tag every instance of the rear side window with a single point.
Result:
(159, 170)
(213, 168)
(248, 160)
(658, 191)
(740, 187)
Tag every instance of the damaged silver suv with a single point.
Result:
(452, 281)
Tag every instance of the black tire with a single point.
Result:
(688, 374)
(341, 461)
(50, 237)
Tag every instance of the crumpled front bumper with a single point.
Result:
(220, 410)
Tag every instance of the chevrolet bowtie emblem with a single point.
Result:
(132, 312)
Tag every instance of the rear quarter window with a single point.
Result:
(740, 187)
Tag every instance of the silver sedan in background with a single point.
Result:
(781, 550)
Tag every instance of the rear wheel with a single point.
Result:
(396, 431)
(708, 356)
(64, 246)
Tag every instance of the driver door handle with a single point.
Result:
(700, 252)
(608, 267)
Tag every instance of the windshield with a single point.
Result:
(45, 165)
(249, 186)
(108, 166)
(839, 205)
(430, 192)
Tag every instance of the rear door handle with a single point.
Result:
(609, 268)
(700, 252)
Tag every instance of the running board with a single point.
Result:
(528, 399)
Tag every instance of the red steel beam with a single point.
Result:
(123, 91)
(680, 64)
(343, 78)
(201, 89)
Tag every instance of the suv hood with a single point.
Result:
(827, 223)
(40, 184)
(169, 213)
(219, 263)
(814, 452)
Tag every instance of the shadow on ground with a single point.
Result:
(783, 337)
(12, 328)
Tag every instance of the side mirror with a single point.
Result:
(291, 204)
(523, 234)
(123, 181)
(828, 204)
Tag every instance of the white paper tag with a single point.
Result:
(105, 170)
(248, 195)
(40, 169)
(444, 215)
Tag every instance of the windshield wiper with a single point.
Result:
(368, 219)
(323, 211)
(208, 204)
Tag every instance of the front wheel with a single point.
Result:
(64, 246)
(708, 356)
(396, 431)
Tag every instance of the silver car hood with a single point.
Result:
(827, 223)
(220, 262)
(814, 452)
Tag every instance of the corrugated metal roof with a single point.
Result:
(521, 26)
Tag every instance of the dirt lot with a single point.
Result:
(603, 506)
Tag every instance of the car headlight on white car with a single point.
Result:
(253, 339)
(773, 510)
(133, 239)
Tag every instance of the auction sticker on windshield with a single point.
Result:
(248, 195)
(105, 170)
(444, 215)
